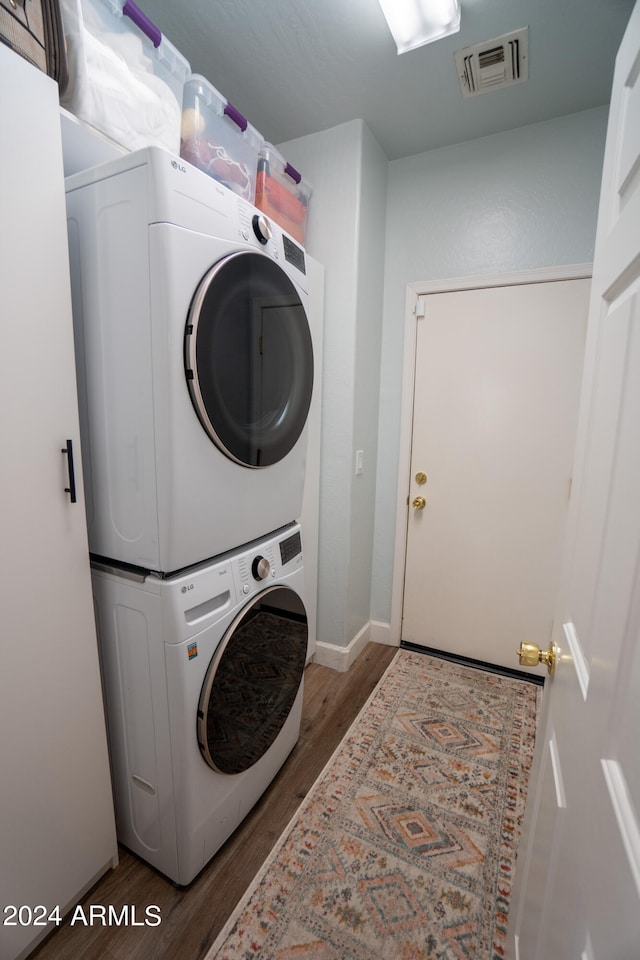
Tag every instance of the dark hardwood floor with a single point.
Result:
(193, 916)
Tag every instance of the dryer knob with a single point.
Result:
(262, 228)
(260, 568)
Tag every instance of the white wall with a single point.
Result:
(346, 230)
(518, 200)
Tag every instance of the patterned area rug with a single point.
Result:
(405, 847)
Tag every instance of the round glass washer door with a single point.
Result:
(249, 359)
(252, 681)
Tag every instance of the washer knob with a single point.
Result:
(262, 228)
(260, 568)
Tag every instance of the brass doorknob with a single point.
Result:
(419, 503)
(421, 477)
(531, 655)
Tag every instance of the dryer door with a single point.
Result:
(252, 681)
(249, 359)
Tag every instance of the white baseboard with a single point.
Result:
(381, 633)
(341, 658)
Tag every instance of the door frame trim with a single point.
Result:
(414, 291)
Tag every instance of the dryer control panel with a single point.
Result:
(254, 225)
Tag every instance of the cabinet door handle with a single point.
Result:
(71, 489)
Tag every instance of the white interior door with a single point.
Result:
(578, 877)
(496, 394)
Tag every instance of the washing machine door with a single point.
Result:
(249, 359)
(252, 681)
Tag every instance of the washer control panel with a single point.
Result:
(255, 569)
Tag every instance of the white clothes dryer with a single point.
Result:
(203, 682)
(194, 362)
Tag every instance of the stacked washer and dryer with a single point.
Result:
(195, 376)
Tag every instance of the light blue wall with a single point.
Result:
(366, 384)
(518, 200)
(346, 232)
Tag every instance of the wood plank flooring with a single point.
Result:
(193, 916)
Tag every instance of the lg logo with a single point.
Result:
(187, 587)
(178, 166)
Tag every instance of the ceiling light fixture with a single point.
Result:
(416, 22)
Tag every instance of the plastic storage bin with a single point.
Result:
(125, 78)
(281, 192)
(218, 139)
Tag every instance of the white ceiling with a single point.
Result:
(295, 67)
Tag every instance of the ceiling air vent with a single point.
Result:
(494, 64)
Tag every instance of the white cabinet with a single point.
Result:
(57, 832)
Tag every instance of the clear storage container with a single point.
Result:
(125, 78)
(281, 192)
(216, 138)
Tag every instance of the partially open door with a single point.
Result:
(577, 889)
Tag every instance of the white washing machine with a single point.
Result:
(194, 362)
(203, 683)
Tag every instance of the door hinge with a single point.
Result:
(419, 308)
